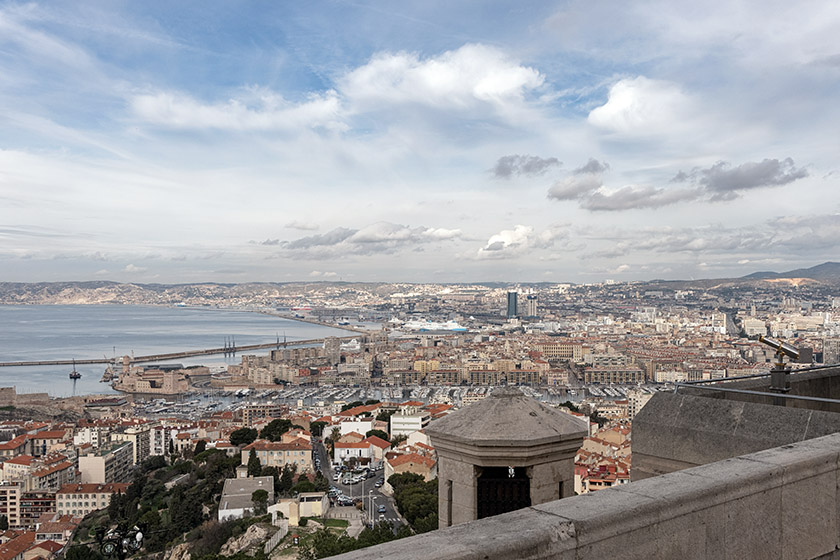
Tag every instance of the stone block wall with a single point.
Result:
(677, 431)
(777, 503)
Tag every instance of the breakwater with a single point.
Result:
(176, 355)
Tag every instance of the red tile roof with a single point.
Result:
(92, 488)
(411, 458)
(265, 445)
(17, 546)
(378, 442)
(22, 460)
(53, 468)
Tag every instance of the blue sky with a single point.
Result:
(416, 141)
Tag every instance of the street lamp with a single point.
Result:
(370, 509)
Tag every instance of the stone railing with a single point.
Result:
(778, 503)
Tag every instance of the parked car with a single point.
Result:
(381, 509)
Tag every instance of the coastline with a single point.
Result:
(61, 333)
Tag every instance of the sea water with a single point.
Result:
(65, 332)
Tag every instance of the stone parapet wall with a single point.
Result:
(777, 503)
(678, 431)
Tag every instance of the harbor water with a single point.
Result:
(66, 332)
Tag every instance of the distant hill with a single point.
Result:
(827, 271)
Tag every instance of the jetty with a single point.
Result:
(177, 355)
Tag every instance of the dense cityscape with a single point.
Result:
(473, 280)
(303, 451)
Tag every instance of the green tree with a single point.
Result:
(115, 506)
(185, 509)
(4, 523)
(287, 479)
(274, 473)
(426, 524)
(212, 535)
(398, 439)
(254, 465)
(417, 500)
(260, 499)
(378, 534)
(82, 552)
(326, 543)
(317, 428)
(155, 535)
(171, 446)
(303, 485)
(200, 446)
(372, 401)
(243, 436)
(378, 433)
(353, 404)
(275, 429)
(385, 415)
(321, 483)
(571, 406)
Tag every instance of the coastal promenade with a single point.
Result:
(177, 355)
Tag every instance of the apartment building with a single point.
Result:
(10, 493)
(279, 454)
(79, 500)
(109, 464)
(140, 437)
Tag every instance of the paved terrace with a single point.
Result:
(777, 503)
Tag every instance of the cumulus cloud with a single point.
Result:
(441, 233)
(719, 182)
(592, 166)
(722, 181)
(641, 106)
(320, 274)
(512, 242)
(132, 268)
(514, 165)
(575, 186)
(473, 74)
(583, 181)
(332, 237)
(380, 237)
(636, 196)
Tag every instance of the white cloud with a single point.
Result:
(133, 268)
(379, 237)
(305, 226)
(253, 110)
(520, 240)
(441, 233)
(459, 79)
(320, 274)
(643, 107)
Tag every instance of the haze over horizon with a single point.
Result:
(449, 142)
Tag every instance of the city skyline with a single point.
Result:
(559, 142)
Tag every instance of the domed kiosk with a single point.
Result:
(501, 454)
